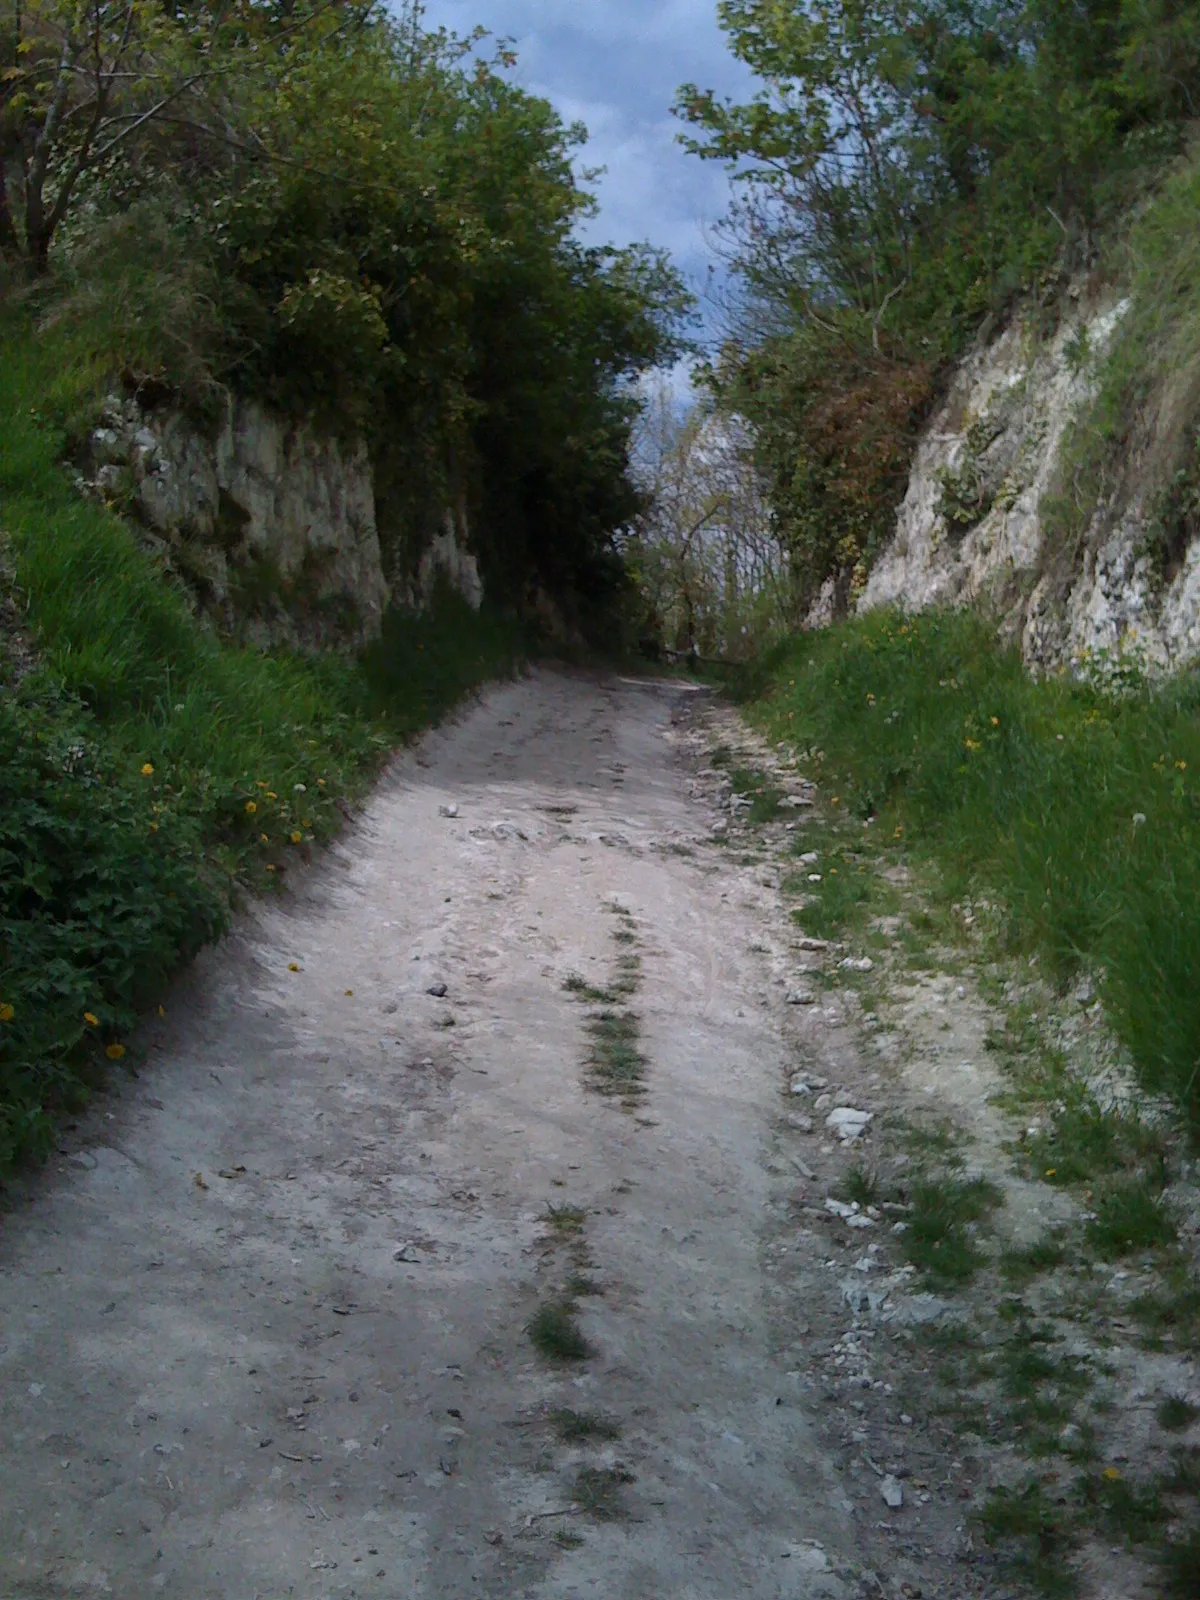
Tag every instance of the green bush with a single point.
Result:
(1074, 807)
(151, 772)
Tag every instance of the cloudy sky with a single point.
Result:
(615, 65)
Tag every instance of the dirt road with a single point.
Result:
(265, 1327)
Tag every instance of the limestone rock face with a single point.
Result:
(271, 525)
(971, 530)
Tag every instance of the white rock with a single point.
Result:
(848, 1123)
(839, 1208)
(801, 1123)
(447, 811)
(801, 997)
(798, 1086)
(857, 964)
(893, 1494)
(823, 1102)
(809, 943)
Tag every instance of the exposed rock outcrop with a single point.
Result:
(972, 527)
(271, 524)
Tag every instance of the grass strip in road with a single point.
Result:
(616, 1066)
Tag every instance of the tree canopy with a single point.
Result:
(328, 206)
(905, 168)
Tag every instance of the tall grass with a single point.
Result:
(149, 770)
(1075, 809)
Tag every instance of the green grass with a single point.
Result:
(597, 1491)
(151, 772)
(575, 1426)
(555, 1333)
(1176, 1413)
(1020, 1267)
(937, 1239)
(1030, 793)
(1130, 1216)
(566, 1221)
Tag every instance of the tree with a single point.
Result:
(713, 574)
(85, 84)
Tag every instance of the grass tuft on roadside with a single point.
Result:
(1072, 804)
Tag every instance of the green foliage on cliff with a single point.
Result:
(149, 771)
(908, 167)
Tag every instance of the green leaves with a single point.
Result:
(905, 167)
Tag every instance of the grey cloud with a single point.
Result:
(616, 65)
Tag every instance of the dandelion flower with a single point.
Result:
(271, 795)
(995, 722)
(293, 966)
(251, 807)
(1139, 818)
(1111, 1474)
(7, 1011)
(299, 788)
(264, 838)
(92, 1020)
(270, 867)
(1051, 1171)
(1181, 766)
(114, 1052)
(296, 836)
(147, 770)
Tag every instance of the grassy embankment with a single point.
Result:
(1058, 822)
(150, 771)
(1074, 809)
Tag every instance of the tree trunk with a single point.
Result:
(10, 245)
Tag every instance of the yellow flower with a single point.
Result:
(836, 800)
(320, 783)
(349, 992)
(972, 744)
(1181, 766)
(1111, 1474)
(293, 966)
(251, 807)
(114, 1052)
(7, 1012)
(270, 867)
(1051, 1171)
(995, 722)
(264, 838)
(271, 795)
(899, 833)
(92, 1020)
(296, 836)
(147, 770)
(162, 1011)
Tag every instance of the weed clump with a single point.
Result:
(555, 1332)
(1131, 1216)
(572, 1426)
(597, 1491)
(937, 1239)
(1175, 1413)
